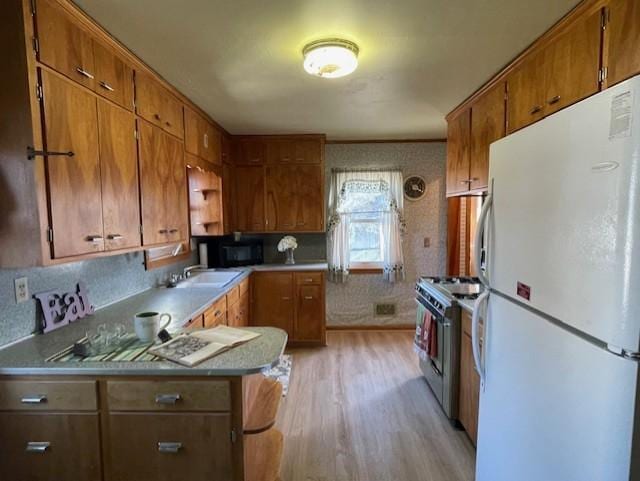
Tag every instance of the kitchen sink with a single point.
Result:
(209, 279)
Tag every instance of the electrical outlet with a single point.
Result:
(427, 242)
(22, 289)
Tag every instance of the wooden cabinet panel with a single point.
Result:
(141, 395)
(251, 151)
(308, 278)
(526, 93)
(273, 303)
(157, 105)
(458, 143)
(16, 395)
(169, 447)
(243, 314)
(249, 198)
(280, 151)
(70, 124)
(195, 323)
(623, 40)
(488, 121)
(192, 132)
(227, 198)
(572, 63)
(310, 317)
(212, 144)
(113, 77)
(469, 383)
(216, 315)
(308, 151)
(163, 187)
(119, 177)
(233, 315)
(309, 198)
(72, 452)
(63, 45)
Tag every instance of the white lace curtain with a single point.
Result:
(387, 182)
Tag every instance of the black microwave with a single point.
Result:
(227, 252)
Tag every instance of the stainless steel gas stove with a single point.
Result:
(438, 331)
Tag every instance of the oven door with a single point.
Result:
(432, 365)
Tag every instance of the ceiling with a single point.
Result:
(241, 61)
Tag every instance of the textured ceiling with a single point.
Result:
(241, 61)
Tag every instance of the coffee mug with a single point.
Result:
(147, 325)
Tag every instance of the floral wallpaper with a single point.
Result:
(353, 303)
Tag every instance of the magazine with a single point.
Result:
(194, 347)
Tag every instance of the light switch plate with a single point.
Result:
(427, 242)
(22, 289)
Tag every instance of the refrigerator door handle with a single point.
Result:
(477, 250)
(475, 338)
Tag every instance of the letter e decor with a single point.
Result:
(60, 309)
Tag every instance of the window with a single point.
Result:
(365, 202)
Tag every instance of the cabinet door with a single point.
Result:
(249, 196)
(192, 132)
(169, 447)
(243, 314)
(308, 151)
(176, 195)
(211, 142)
(157, 105)
(273, 303)
(458, 140)
(119, 176)
(63, 45)
(72, 450)
(623, 40)
(251, 151)
(282, 198)
(309, 198)
(309, 320)
(114, 78)
(572, 64)
(488, 121)
(227, 198)
(280, 151)
(469, 383)
(71, 124)
(526, 93)
(155, 152)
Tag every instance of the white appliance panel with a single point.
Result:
(566, 215)
(555, 407)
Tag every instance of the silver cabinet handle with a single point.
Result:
(308, 279)
(168, 398)
(115, 237)
(554, 100)
(205, 141)
(169, 447)
(94, 238)
(535, 110)
(34, 399)
(106, 86)
(308, 298)
(84, 73)
(37, 446)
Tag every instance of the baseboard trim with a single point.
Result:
(369, 327)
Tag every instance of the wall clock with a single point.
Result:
(414, 187)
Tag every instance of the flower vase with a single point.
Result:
(289, 257)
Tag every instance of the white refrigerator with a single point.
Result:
(558, 363)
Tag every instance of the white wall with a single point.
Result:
(353, 303)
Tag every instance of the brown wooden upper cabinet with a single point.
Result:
(157, 105)
(295, 198)
(293, 151)
(458, 151)
(69, 49)
(488, 122)
(250, 150)
(563, 72)
(622, 45)
(249, 191)
(201, 138)
(163, 191)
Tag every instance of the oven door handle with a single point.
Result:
(442, 321)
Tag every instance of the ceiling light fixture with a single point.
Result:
(330, 58)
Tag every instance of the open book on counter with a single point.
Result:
(194, 347)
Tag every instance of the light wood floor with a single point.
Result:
(359, 410)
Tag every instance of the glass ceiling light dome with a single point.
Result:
(330, 58)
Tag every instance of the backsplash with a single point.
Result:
(108, 280)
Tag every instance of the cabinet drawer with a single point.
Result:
(233, 295)
(42, 447)
(168, 395)
(48, 395)
(157, 105)
(169, 447)
(216, 314)
(308, 278)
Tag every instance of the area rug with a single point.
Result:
(281, 372)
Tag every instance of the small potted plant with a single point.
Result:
(287, 245)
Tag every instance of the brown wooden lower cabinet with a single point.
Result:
(169, 447)
(469, 382)
(42, 447)
(294, 302)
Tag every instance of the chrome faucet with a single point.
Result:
(186, 273)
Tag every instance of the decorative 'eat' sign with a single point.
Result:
(61, 309)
